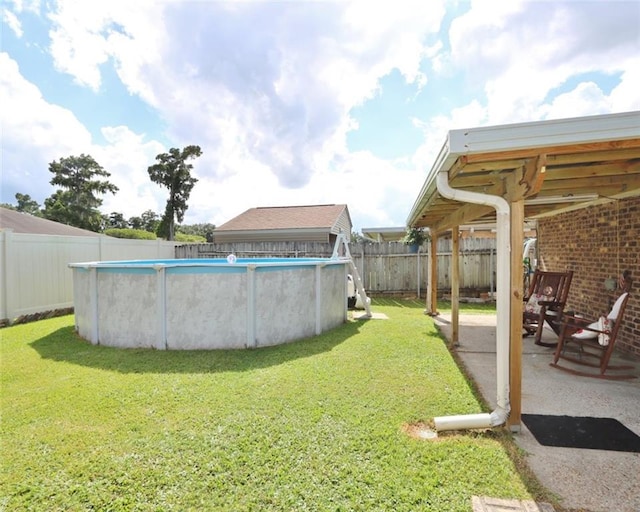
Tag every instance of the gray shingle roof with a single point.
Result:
(286, 217)
(24, 223)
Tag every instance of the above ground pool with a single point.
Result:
(208, 303)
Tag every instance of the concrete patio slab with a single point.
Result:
(585, 480)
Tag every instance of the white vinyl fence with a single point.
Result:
(34, 272)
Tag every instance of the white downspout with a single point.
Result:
(503, 329)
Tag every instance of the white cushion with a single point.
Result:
(532, 305)
(615, 310)
(605, 325)
(584, 334)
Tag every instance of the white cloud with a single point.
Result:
(35, 133)
(258, 85)
(624, 97)
(77, 44)
(85, 35)
(266, 89)
(12, 22)
(127, 157)
(521, 51)
(586, 99)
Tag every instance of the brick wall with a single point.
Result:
(597, 243)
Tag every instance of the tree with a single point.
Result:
(204, 230)
(116, 221)
(150, 221)
(173, 171)
(28, 205)
(416, 236)
(356, 237)
(135, 223)
(75, 203)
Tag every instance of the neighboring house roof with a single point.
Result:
(286, 222)
(20, 222)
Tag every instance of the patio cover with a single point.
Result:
(540, 168)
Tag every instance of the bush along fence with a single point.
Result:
(389, 268)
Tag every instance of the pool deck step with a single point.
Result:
(487, 504)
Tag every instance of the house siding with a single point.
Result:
(597, 243)
(343, 224)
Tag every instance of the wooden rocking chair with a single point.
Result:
(544, 302)
(592, 343)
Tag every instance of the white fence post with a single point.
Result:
(7, 275)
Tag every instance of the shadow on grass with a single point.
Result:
(65, 345)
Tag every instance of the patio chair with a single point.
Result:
(591, 343)
(544, 302)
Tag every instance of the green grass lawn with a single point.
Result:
(313, 425)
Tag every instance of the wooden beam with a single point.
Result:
(463, 215)
(593, 184)
(623, 167)
(525, 181)
(534, 174)
(595, 156)
(463, 166)
(457, 167)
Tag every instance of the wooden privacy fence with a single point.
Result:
(385, 268)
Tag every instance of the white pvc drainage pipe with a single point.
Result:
(503, 264)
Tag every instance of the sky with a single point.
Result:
(293, 102)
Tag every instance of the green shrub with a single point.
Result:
(181, 237)
(137, 234)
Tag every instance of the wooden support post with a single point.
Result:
(515, 352)
(432, 290)
(455, 285)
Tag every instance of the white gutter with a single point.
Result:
(503, 328)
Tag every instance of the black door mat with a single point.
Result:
(582, 432)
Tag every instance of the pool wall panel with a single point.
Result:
(82, 291)
(285, 305)
(334, 297)
(205, 310)
(127, 310)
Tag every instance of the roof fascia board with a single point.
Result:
(399, 229)
(557, 132)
